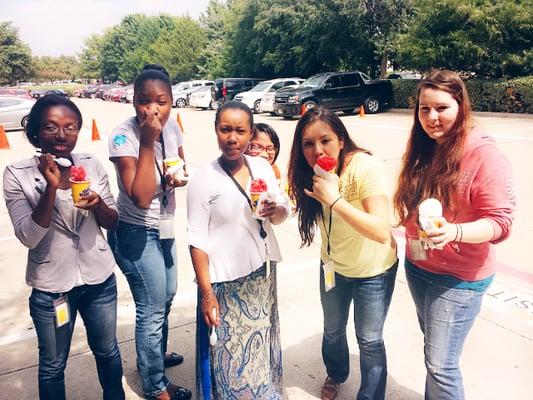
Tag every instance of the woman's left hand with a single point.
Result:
(89, 201)
(326, 191)
(443, 235)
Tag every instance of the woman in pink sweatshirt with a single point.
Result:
(450, 267)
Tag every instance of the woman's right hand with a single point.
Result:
(150, 127)
(49, 169)
(208, 302)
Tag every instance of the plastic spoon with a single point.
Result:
(62, 162)
(213, 335)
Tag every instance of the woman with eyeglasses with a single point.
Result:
(70, 266)
(265, 143)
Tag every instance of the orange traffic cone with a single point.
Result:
(361, 111)
(178, 120)
(4, 143)
(303, 110)
(95, 135)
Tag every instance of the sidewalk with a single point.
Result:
(497, 361)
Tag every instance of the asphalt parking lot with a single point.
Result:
(498, 357)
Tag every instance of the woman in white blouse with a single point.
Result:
(234, 256)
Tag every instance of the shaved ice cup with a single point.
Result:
(79, 188)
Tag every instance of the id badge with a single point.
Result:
(61, 311)
(417, 248)
(166, 226)
(329, 275)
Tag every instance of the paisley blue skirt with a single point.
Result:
(246, 361)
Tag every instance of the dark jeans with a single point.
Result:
(97, 305)
(371, 298)
(150, 267)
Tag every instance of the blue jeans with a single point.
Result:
(149, 265)
(97, 305)
(445, 316)
(371, 298)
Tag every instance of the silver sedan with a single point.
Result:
(14, 112)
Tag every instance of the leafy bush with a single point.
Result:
(513, 96)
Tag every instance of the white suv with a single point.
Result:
(252, 98)
(181, 91)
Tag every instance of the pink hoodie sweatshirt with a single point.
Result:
(485, 190)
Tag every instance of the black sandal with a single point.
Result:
(172, 359)
(178, 393)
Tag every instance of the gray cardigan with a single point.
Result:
(57, 252)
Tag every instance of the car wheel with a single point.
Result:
(308, 105)
(24, 121)
(273, 113)
(92, 96)
(180, 103)
(213, 105)
(288, 117)
(257, 107)
(372, 105)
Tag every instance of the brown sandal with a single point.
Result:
(329, 390)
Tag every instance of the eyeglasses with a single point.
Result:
(52, 130)
(255, 147)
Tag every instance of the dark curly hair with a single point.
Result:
(33, 128)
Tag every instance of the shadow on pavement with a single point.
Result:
(304, 374)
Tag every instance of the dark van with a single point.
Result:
(225, 89)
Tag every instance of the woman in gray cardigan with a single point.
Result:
(70, 266)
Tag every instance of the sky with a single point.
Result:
(59, 27)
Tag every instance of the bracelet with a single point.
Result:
(332, 204)
(456, 233)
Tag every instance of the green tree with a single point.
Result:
(91, 57)
(15, 56)
(212, 62)
(179, 49)
(48, 68)
(489, 38)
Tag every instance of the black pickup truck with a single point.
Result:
(342, 91)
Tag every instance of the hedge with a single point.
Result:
(513, 96)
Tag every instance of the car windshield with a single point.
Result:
(365, 77)
(181, 86)
(261, 87)
(314, 81)
(202, 89)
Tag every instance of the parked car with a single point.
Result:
(226, 89)
(267, 101)
(127, 95)
(15, 92)
(40, 93)
(14, 111)
(99, 94)
(404, 75)
(202, 97)
(342, 91)
(89, 92)
(181, 91)
(252, 98)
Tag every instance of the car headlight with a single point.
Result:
(293, 99)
